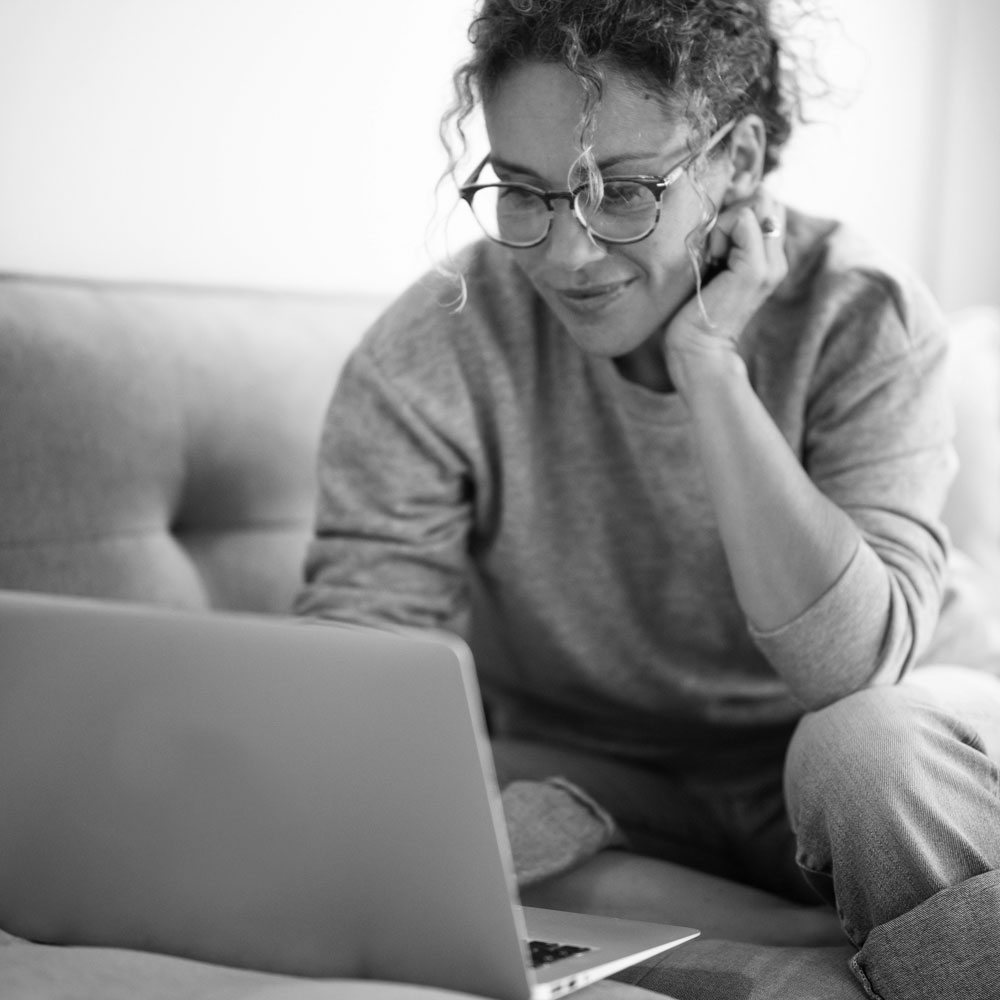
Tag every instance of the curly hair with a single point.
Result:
(706, 61)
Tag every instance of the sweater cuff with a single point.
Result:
(836, 646)
(553, 826)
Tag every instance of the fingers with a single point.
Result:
(771, 216)
(750, 236)
(769, 227)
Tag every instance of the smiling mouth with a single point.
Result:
(590, 297)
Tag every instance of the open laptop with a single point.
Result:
(268, 793)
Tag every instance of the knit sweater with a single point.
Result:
(480, 473)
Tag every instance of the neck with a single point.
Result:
(646, 366)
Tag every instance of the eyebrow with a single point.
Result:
(604, 164)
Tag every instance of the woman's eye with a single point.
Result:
(514, 198)
(621, 196)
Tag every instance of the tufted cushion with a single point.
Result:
(158, 443)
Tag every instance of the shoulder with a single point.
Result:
(838, 275)
(456, 361)
(852, 301)
(480, 303)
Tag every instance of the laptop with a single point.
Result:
(268, 793)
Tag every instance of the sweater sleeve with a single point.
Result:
(878, 444)
(393, 510)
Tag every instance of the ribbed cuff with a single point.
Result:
(554, 826)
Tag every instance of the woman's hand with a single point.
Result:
(748, 238)
(786, 543)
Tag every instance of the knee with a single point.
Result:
(857, 755)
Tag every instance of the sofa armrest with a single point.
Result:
(972, 512)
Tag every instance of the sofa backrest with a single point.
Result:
(158, 443)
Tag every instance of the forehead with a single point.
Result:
(533, 119)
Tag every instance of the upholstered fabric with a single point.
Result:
(158, 444)
(732, 970)
(973, 510)
(44, 972)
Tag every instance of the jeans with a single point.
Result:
(885, 804)
(894, 798)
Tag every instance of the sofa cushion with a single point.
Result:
(158, 443)
(708, 969)
(973, 508)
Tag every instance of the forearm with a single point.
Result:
(786, 543)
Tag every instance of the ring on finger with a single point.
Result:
(770, 228)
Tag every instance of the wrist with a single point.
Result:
(703, 373)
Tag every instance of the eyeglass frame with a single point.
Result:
(656, 185)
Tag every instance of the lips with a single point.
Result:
(588, 298)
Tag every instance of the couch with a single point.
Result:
(157, 445)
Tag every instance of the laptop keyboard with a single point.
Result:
(544, 952)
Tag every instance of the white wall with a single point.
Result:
(868, 157)
(913, 158)
(282, 142)
(257, 141)
(968, 230)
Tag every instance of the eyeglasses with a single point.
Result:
(520, 215)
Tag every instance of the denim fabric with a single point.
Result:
(722, 813)
(960, 963)
(893, 815)
(894, 796)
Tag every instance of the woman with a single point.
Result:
(675, 468)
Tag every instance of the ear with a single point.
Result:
(747, 143)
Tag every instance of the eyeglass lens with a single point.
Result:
(519, 217)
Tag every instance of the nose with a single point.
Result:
(569, 244)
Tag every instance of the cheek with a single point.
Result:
(690, 214)
(678, 240)
(665, 259)
(529, 262)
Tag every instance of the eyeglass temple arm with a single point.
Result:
(474, 176)
(714, 139)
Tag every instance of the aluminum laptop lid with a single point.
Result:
(259, 792)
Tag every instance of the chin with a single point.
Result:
(599, 340)
(609, 337)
